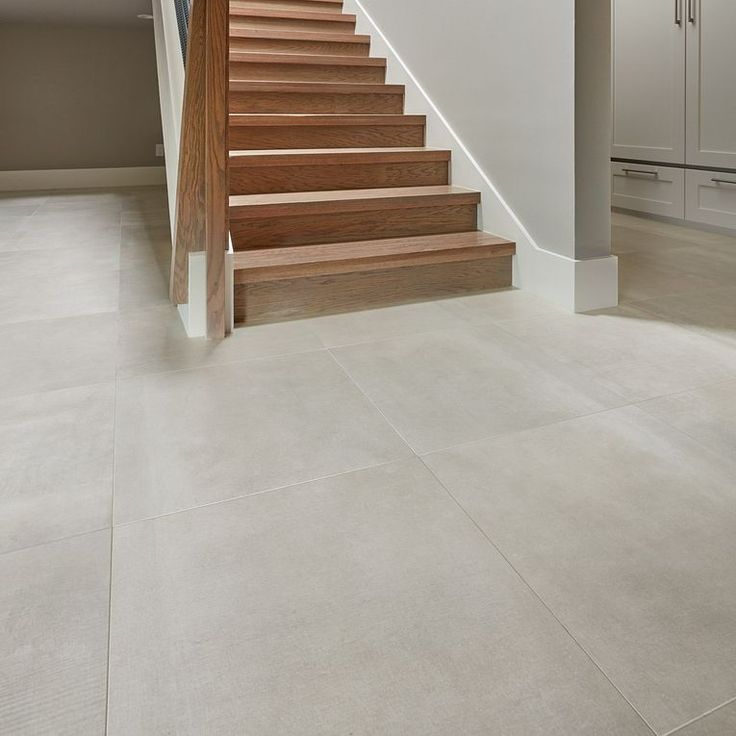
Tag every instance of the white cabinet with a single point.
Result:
(674, 103)
(658, 190)
(711, 83)
(649, 80)
(711, 198)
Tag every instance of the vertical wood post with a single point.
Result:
(189, 233)
(217, 222)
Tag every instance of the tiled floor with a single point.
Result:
(473, 516)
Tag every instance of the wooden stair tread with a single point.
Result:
(298, 35)
(334, 88)
(337, 156)
(255, 206)
(263, 57)
(285, 119)
(321, 2)
(273, 264)
(238, 12)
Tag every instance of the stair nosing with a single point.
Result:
(315, 36)
(323, 252)
(292, 15)
(323, 156)
(258, 206)
(299, 87)
(265, 57)
(245, 119)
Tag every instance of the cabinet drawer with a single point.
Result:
(710, 198)
(657, 190)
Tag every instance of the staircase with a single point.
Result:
(329, 176)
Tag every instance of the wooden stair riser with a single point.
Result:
(276, 301)
(264, 180)
(318, 103)
(275, 72)
(291, 24)
(250, 138)
(349, 226)
(299, 46)
(310, 6)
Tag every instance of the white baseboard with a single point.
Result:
(133, 176)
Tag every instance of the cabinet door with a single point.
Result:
(649, 80)
(711, 83)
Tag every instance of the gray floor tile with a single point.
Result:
(53, 638)
(377, 324)
(188, 438)
(445, 388)
(627, 530)
(51, 284)
(363, 604)
(57, 353)
(712, 313)
(720, 723)
(707, 414)
(153, 340)
(143, 286)
(55, 465)
(499, 306)
(634, 353)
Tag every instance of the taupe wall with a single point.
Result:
(77, 97)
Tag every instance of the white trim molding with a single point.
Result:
(133, 176)
(576, 285)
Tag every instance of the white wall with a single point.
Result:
(593, 128)
(497, 80)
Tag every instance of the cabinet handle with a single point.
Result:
(723, 181)
(678, 12)
(691, 11)
(655, 174)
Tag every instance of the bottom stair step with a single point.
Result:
(276, 264)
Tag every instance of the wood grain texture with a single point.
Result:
(331, 177)
(190, 231)
(323, 98)
(319, 6)
(295, 22)
(360, 131)
(292, 24)
(275, 264)
(319, 295)
(347, 226)
(295, 42)
(216, 167)
(307, 68)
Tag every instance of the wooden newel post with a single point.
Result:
(217, 222)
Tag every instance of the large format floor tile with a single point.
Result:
(53, 638)
(57, 353)
(626, 528)
(445, 388)
(55, 465)
(363, 604)
(722, 722)
(707, 414)
(634, 353)
(52, 284)
(154, 340)
(712, 313)
(192, 437)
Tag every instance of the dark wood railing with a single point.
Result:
(202, 212)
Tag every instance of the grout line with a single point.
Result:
(112, 498)
(492, 544)
(55, 540)
(255, 494)
(536, 595)
(700, 717)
